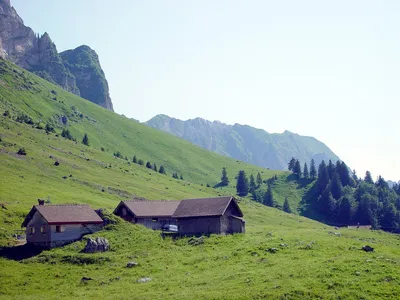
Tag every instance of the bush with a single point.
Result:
(6, 113)
(85, 140)
(49, 128)
(22, 118)
(66, 134)
(21, 151)
(118, 154)
(148, 165)
(141, 162)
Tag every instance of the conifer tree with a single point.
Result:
(161, 170)
(313, 170)
(343, 173)
(259, 179)
(323, 177)
(181, 177)
(305, 171)
(269, 197)
(336, 186)
(148, 165)
(85, 140)
(297, 169)
(155, 167)
(252, 184)
(291, 164)
(368, 177)
(134, 159)
(331, 169)
(224, 177)
(286, 206)
(242, 184)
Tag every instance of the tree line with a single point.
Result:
(343, 198)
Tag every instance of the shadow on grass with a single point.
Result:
(218, 185)
(20, 252)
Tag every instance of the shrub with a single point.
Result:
(49, 128)
(141, 162)
(148, 165)
(22, 118)
(21, 151)
(66, 134)
(85, 140)
(118, 154)
(161, 170)
(6, 113)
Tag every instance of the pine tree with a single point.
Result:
(297, 169)
(85, 140)
(148, 165)
(161, 170)
(242, 184)
(331, 169)
(336, 186)
(313, 170)
(269, 197)
(291, 164)
(354, 176)
(134, 159)
(343, 173)
(141, 162)
(286, 206)
(259, 179)
(368, 177)
(323, 177)
(155, 167)
(224, 177)
(345, 211)
(181, 177)
(305, 171)
(252, 184)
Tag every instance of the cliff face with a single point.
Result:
(38, 54)
(84, 64)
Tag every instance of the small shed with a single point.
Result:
(221, 215)
(55, 225)
(152, 214)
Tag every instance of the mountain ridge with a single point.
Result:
(39, 55)
(246, 143)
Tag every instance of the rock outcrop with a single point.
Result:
(39, 55)
(84, 64)
(98, 244)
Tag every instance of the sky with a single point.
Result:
(327, 69)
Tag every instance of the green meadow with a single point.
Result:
(281, 256)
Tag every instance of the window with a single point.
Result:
(31, 230)
(155, 219)
(43, 229)
(60, 228)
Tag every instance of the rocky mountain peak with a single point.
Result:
(19, 44)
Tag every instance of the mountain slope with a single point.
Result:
(38, 54)
(246, 143)
(310, 262)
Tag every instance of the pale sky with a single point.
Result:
(328, 69)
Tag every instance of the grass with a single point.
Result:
(311, 262)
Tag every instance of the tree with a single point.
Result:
(155, 167)
(313, 171)
(331, 169)
(21, 151)
(66, 134)
(336, 186)
(148, 165)
(49, 128)
(259, 179)
(297, 169)
(345, 211)
(323, 177)
(175, 175)
(134, 159)
(354, 176)
(291, 164)
(343, 173)
(85, 140)
(286, 206)
(305, 171)
(224, 177)
(368, 177)
(269, 197)
(381, 183)
(161, 170)
(252, 184)
(181, 177)
(141, 162)
(242, 184)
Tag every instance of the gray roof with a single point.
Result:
(151, 208)
(65, 214)
(204, 207)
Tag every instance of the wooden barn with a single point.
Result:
(152, 214)
(55, 225)
(220, 215)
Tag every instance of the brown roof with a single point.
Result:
(65, 214)
(204, 207)
(151, 208)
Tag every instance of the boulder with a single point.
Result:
(132, 264)
(98, 244)
(272, 250)
(144, 279)
(367, 248)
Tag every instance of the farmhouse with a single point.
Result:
(152, 214)
(55, 225)
(220, 215)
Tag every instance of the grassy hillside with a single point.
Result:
(310, 261)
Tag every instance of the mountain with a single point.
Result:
(246, 143)
(77, 71)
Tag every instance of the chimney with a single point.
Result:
(40, 201)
